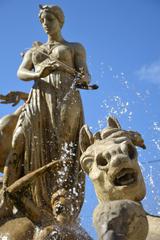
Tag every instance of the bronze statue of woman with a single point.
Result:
(48, 127)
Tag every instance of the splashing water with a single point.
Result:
(129, 103)
(132, 104)
(4, 237)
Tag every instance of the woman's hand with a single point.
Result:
(48, 69)
(80, 77)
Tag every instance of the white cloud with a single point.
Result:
(150, 72)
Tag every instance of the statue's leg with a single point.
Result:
(71, 122)
(12, 171)
(13, 166)
(111, 235)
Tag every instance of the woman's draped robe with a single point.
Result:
(51, 121)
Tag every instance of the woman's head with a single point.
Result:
(62, 203)
(51, 17)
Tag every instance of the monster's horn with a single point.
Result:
(40, 6)
(113, 122)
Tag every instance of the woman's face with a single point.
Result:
(62, 210)
(50, 23)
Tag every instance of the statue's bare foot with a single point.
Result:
(6, 205)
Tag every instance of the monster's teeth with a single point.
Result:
(123, 174)
(125, 177)
(129, 181)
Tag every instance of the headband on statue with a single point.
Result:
(55, 10)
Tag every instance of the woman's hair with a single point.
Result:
(55, 10)
(60, 193)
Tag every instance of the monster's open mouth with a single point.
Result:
(125, 177)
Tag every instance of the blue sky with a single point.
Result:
(122, 40)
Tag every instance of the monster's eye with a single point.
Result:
(108, 156)
(87, 164)
(101, 161)
(131, 151)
